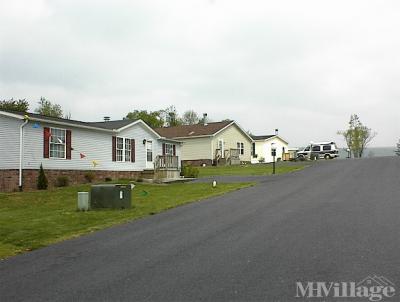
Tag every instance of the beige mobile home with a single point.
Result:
(217, 143)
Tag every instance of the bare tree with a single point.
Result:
(190, 117)
(357, 136)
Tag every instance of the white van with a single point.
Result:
(327, 150)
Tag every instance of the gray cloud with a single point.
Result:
(300, 66)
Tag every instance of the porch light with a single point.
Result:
(144, 142)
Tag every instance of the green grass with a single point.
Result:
(250, 169)
(30, 220)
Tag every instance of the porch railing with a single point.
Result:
(229, 155)
(164, 162)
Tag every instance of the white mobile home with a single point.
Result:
(113, 149)
(262, 148)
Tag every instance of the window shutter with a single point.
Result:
(114, 147)
(132, 150)
(173, 150)
(46, 142)
(163, 149)
(254, 149)
(68, 144)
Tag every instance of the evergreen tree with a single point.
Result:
(42, 182)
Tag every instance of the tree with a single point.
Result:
(171, 117)
(357, 136)
(42, 182)
(11, 104)
(152, 118)
(49, 109)
(397, 151)
(190, 117)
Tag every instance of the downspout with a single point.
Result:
(21, 151)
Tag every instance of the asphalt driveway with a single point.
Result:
(334, 221)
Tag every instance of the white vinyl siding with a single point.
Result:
(263, 149)
(94, 145)
(9, 142)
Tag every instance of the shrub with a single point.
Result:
(190, 171)
(62, 181)
(42, 182)
(90, 176)
(108, 179)
(261, 160)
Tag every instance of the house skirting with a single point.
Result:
(197, 162)
(9, 178)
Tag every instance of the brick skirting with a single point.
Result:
(9, 178)
(197, 162)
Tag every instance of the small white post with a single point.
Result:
(83, 201)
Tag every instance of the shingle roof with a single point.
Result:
(192, 130)
(261, 137)
(110, 125)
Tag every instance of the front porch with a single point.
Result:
(226, 157)
(166, 167)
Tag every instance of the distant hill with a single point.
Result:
(372, 152)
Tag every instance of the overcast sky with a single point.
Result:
(300, 66)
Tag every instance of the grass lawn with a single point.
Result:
(30, 220)
(255, 169)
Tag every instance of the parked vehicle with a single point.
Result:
(327, 150)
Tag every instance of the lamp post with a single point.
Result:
(273, 153)
(311, 146)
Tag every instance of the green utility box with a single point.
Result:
(115, 196)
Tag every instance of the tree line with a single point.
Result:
(167, 117)
(44, 107)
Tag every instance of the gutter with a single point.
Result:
(21, 151)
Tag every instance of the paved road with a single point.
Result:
(335, 221)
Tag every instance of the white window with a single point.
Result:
(123, 149)
(120, 149)
(149, 151)
(169, 149)
(57, 143)
(128, 149)
(240, 147)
